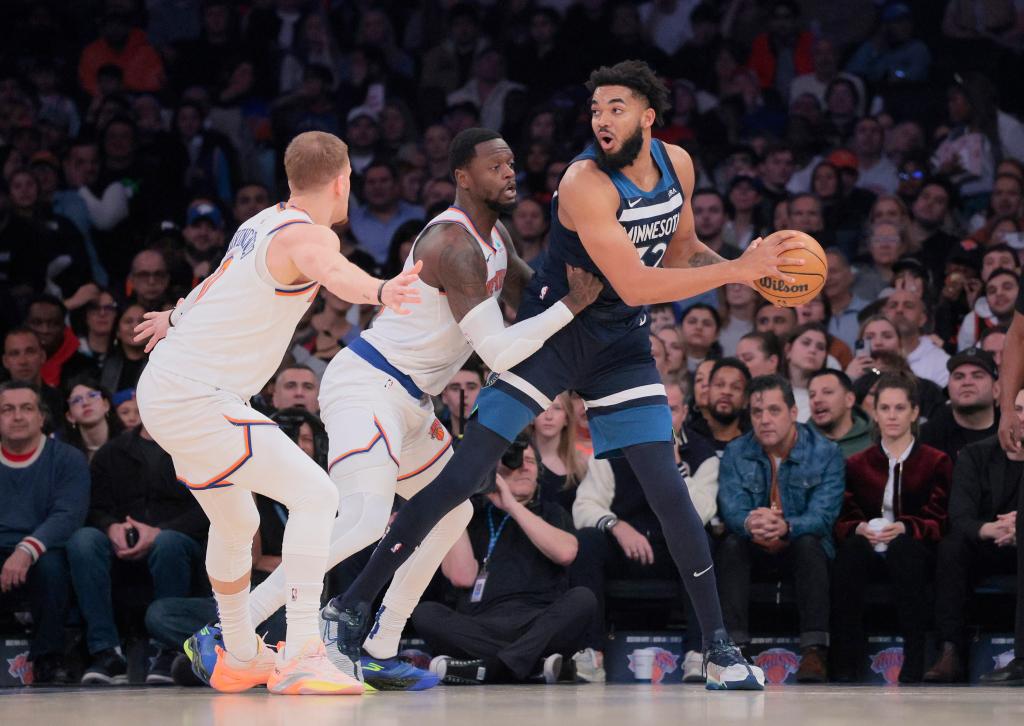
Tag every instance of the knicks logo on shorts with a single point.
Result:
(437, 430)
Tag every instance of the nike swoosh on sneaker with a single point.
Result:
(698, 574)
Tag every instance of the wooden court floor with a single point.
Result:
(604, 705)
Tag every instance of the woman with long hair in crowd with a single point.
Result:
(806, 353)
(893, 516)
(819, 310)
(561, 466)
(97, 339)
(92, 420)
(737, 306)
(124, 364)
(675, 356)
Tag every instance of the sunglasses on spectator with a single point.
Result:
(908, 175)
(82, 398)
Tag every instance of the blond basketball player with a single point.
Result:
(375, 396)
(217, 349)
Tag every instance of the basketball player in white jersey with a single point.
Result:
(219, 347)
(375, 395)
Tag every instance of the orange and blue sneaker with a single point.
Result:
(311, 673)
(233, 676)
(396, 674)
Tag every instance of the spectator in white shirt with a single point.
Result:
(907, 312)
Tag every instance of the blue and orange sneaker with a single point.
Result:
(396, 674)
(201, 650)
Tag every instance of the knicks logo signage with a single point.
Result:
(777, 663)
(774, 284)
(888, 663)
(437, 430)
(652, 663)
(20, 668)
(496, 283)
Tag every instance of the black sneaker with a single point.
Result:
(1011, 674)
(160, 672)
(343, 632)
(454, 672)
(49, 670)
(728, 670)
(182, 673)
(107, 668)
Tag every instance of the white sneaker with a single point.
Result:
(552, 668)
(693, 667)
(589, 666)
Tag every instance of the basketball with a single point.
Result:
(810, 276)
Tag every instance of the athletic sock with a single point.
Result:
(461, 477)
(655, 467)
(305, 584)
(387, 632)
(236, 627)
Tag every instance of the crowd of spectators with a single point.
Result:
(844, 442)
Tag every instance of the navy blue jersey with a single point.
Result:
(649, 218)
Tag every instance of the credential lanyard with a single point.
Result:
(495, 533)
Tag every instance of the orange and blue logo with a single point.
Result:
(778, 664)
(888, 663)
(437, 430)
(20, 668)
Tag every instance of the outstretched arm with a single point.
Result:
(588, 204)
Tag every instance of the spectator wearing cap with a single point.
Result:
(204, 237)
(971, 414)
(744, 223)
(383, 211)
(126, 408)
(44, 487)
(780, 488)
(907, 312)
(488, 89)
(124, 45)
(845, 305)
(982, 541)
(905, 484)
(362, 133)
(929, 242)
(835, 414)
(1002, 287)
(709, 222)
(893, 55)
(876, 173)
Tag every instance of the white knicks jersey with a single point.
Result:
(240, 321)
(427, 344)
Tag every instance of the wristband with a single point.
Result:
(380, 293)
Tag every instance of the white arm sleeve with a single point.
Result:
(499, 347)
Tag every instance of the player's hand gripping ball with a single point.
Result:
(810, 276)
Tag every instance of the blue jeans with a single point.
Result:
(171, 562)
(47, 593)
(172, 620)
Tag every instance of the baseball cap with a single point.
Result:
(843, 159)
(204, 210)
(126, 394)
(360, 112)
(976, 357)
(895, 11)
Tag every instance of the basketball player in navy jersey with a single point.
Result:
(622, 212)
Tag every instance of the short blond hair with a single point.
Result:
(313, 159)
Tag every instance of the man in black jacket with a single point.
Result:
(982, 540)
(142, 524)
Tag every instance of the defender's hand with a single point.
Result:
(399, 290)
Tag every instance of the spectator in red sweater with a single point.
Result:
(893, 515)
(125, 46)
(784, 51)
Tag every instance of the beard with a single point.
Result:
(972, 408)
(626, 155)
(828, 427)
(495, 206)
(725, 418)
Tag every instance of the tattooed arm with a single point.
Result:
(685, 250)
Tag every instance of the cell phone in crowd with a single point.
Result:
(862, 347)
(131, 537)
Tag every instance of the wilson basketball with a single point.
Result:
(810, 276)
